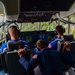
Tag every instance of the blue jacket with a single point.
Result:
(49, 61)
(54, 43)
(5, 44)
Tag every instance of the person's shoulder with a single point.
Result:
(4, 44)
(40, 53)
(49, 51)
(56, 40)
(44, 51)
(54, 51)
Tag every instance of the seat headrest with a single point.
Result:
(14, 45)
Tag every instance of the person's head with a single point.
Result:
(13, 32)
(41, 44)
(60, 30)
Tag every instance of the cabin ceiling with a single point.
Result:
(13, 9)
(69, 12)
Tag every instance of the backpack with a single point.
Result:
(60, 48)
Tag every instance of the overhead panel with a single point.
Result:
(12, 6)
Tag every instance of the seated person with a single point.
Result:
(60, 31)
(42, 36)
(54, 45)
(48, 59)
(13, 32)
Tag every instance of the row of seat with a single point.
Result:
(10, 59)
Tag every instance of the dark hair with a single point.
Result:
(60, 29)
(41, 44)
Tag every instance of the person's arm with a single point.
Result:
(67, 57)
(53, 44)
(28, 65)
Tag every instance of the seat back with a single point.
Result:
(10, 60)
(68, 37)
(14, 67)
(73, 49)
(65, 67)
(0, 63)
(59, 44)
(3, 61)
(14, 45)
(11, 46)
(62, 40)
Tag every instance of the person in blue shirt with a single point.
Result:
(13, 32)
(54, 45)
(48, 59)
(60, 31)
(42, 36)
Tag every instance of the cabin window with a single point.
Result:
(2, 20)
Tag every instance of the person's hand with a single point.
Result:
(49, 46)
(25, 47)
(21, 52)
(67, 45)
